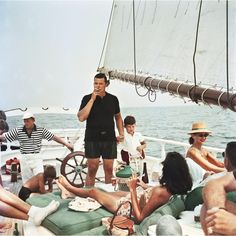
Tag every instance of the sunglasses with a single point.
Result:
(202, 135)
(223, 154)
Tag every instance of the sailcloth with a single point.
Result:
(165, 39)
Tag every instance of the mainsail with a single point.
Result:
(186, 48)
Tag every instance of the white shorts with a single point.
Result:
(31, 164)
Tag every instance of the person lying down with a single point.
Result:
(175, 179)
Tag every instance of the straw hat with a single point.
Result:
(199, 127)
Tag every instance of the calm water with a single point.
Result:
(160, 122)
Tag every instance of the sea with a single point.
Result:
(172, 123)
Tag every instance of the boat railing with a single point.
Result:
(76, 136)
(185, 146)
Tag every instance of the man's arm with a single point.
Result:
(84, 112)
(214, 193)
(120, 127)
(214, 196)
(2, 138)
(61, 141)
(50, 185)
(41, 183)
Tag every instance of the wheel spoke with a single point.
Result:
(81, 163)
(70, 172)
(82, 181)
(76, 163)
(75, 177)
(70, 165)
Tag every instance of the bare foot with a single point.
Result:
(64, 192)
(64, 182)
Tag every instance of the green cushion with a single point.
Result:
(101, 230)
(65, 221)
(194, 198)
(173, 207)
(124, 173)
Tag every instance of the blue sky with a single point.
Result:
(49, 53)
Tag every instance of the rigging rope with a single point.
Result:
(227, 50)
(149, 91)
(134, 36)
(108, 27)
(195, 49)
(14, 109)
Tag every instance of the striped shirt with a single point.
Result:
(29, 143)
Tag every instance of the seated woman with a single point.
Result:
(13, 207)
(200, 155)
(175, 180)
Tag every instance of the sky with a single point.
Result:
(49, 53)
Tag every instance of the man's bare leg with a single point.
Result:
(12, 212)
(0, 178)
(12, 200)
(13, 207)
(93, 165)
(108, 169)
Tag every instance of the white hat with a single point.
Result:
(28, 115)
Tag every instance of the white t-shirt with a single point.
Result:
(131, 142)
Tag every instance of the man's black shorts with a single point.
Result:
(106, 149)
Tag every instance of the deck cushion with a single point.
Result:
(173, 207)
(67, 222)
(194, 198)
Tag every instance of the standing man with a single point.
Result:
(99, 109)
(30, 138)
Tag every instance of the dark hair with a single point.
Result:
(129, 120)
(3, 115)
(230, 152)
(191, 140)
(3, 125)
(102, 76)
(50, 172)
(175, 174)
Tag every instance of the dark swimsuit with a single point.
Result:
(24, 193)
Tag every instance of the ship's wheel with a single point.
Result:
(74, 168)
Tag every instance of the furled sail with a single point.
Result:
(186, 48)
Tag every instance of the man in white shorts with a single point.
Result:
(30, 138)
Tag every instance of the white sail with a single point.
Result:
(165, 40)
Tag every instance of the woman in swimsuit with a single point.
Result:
(175, 180)
(200, 155)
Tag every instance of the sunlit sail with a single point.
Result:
(186, 48)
